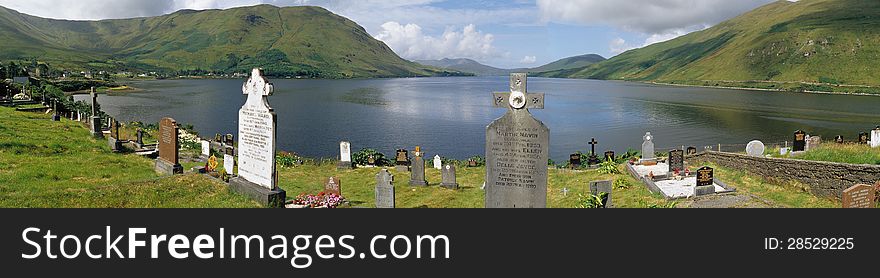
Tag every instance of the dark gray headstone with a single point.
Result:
(517, 148)
(384, 190)
(599, 187)
(676, 161)
(448, 179)
(418, 172)
(800, 141)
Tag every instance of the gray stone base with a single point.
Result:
(166, 168)
(453, 186)
(401, 168)
(418, 183)
(269, 198)
(115, 145)
(704, 190)
(343, 165)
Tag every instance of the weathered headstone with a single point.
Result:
(472, 162)
(599, 187)
(140, 137)
(402, 161)
(344, 156)
(167, 163)
(55, 115)
(418, 169)
(257, 177)
(229, 161)
(206, 149)
(858, 196)
(648, 148)
(813, 142)
(875, 137)
(800, 141)
(113, 140)
(95, 126)
(755, 148)
(229, 140)
(593, 159)
(333, 185)
(676, 161)
(448, 179)
(574, 161)
(384, 190)
(691, 150)
(705, 181)
(517, 150)
(438, 162)
(863, 138)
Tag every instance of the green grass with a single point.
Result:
(789, 194)
(841, 153)
(57, 164)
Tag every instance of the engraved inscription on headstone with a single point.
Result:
(574, 161)
(384, 190)
(448, 179)
(863, 138)
(344, 156)
(168, 148)
(333, 185)
(706, 176)
(676, 161)
(858, 196)
(517, 149)
(691, 150)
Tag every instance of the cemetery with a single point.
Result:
(89, 159)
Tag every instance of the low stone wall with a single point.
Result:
(827, 179)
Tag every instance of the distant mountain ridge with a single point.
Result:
(290, 41)
(471, 66)
(825, 41)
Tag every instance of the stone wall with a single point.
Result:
(825, 179)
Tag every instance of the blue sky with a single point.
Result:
(507, 34)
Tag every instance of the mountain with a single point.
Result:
(471, 66)
(300, 41)
(465, 65)
(828, 41)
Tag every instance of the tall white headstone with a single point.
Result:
(875, 137)
(438, 162)
(206, 148)
(345, 151)
(256, 133)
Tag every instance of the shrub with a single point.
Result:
(362, 157)
(592, 201)
(287, 160)
(609, 167)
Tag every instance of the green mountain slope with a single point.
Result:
(304, 41)
(570, 63)
(471, 66)
(828, 41)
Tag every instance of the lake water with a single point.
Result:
(448, 116)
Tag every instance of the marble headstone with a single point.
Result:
(206, 149)
(648, 147)
(168, 164)
(344, 156)
(438, 162)
(448, 179)
(384, 189)
(257, 123)
(517, 150)
(755, 148)
(875, 137)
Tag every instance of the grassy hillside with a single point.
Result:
(471, 66)
(822, 41)
(466, 65)
(575, 62)
(304, 41)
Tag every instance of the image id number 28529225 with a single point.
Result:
(808, 243)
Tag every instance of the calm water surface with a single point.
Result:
(448, 116)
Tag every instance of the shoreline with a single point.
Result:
(757, 89)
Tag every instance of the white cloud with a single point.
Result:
(619, 45)
(410, 42)
(645, 16)
(528, 60)
(89, 9)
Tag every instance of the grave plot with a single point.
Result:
(678, 186)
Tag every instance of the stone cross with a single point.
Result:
(565, 191)
(256, 128)
(648, 147)
(593, 144)
(94, 96)
(517, 150)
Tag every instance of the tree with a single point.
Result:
(13, 70)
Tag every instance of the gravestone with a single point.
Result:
(448, 179)
(438, 162)
(875, 137)
(610, 155)
(55, 115)
(517, 150)
(755, 148)
(218, 138)
(344, 156)
(813, 142)
(401, 161)
(863, 138)
(95, 126)
(333, 185)
(257, 123)
(691, 150)
(384, 190)
(574, 161)
(705, 181)
(113, 141)
(229, 161)
(599, 187)
(472, 162)
(676, 161)
(800, 141)
(783, 151)
(593, 159)
(648, 148)
(140, 137)
(838, 139)
(167, 163)
(206, 149)
(229, 140)
(858, 196)
(418, 169)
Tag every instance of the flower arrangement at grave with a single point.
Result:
(287, 159)
(480, 161)
(189, 140)
(322, 200)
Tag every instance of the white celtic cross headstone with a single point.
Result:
(438, 162)
(256, 133)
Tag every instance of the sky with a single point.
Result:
(506, 34)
